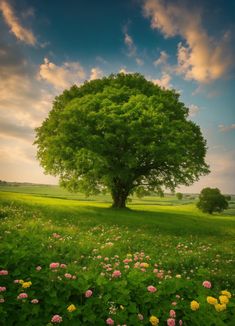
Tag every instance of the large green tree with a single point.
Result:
(121, 134)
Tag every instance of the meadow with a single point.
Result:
(71, 260)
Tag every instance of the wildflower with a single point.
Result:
(220, 307)
(194, 305)
(121, 307)
(63, 266)
(2, 288)
(109, 321)
(22, 296)
(180, 322)
(34, 301)
(52, 266)
(88, 293)
(21, 281)
(178, 276)
(2, 300)
(116, 274)
(140, 316)
(151, 288)
(174, 303)
(223, 299)
(154, 320)
(145, 265)
(206, 284)
(172, 313)
(67, 275)
(26, 285)
(211, 300)
(3, 272)
(16, 281)
(38, 268)
(227, 293)
(56, 319)
(170, 322)
(71, 308)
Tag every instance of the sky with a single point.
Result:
(47, 46)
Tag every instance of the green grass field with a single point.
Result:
(174, 237)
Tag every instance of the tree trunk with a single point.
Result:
(119, 194)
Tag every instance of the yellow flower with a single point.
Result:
(145, 265)
(129, 255)
(194, 305)
(211, 300)
(154, 320)
(223, 299)
(122, 307)
(227, 293)
(220, 307)
(21, 281)
(71, 308)
(26, 285)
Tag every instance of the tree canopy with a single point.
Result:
(211, 200)
(121, 134)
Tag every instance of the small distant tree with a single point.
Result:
(211, 200)
(179, 195)
(228, 197)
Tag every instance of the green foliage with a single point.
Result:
(211, 200)
(228, 197)
(179, 195)
(121, 134)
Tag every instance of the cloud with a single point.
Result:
(20, 32)
(200, 57)
(164, 81)
(193, 110)
(130, 45)
(96, 73)
(63, 76)
(125, 71)
(162, 60)
(222, 174)
(223, 128)
(16, 130)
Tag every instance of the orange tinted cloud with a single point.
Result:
(201, 57)
(20, 32)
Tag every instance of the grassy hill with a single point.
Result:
(181, 246)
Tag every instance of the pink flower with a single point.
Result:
(63, 266)
(172, 313)
(174, 303)
(16, 281)
(180, 322)
(54, 265)
(56, 235)
(38, 268)
(116, 274)
(2, 300)
(22, 296)
(2, 288)
(206, 284)
(88, 293)
(170, 322)
(56, 319)
(109, 321)
(34, 301)
(67, 275)
(151, 288)
(3, 272)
